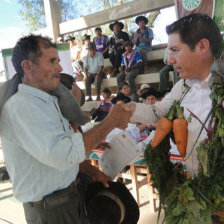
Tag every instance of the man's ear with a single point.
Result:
(26, 66)
(203, 46)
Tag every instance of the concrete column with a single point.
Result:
(53, 17)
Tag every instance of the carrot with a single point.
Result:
(163, 127)
(180, 131)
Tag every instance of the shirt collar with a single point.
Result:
(35, 92)
(204, 84)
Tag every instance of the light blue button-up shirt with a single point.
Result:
(42, 153)
(93, 63)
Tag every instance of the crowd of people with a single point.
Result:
(36, 128)
(127, 54)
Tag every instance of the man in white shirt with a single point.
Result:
(193, 43)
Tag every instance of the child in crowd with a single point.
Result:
(130, 67)
(151, 96)
(102, 111)
(120, 98)
(124, 88)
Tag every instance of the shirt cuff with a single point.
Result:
(140, 113)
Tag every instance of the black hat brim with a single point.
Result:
(121, 191)
(140, 18)
(86, 37)
(111, 26)
(124, 98)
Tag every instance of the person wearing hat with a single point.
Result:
(60, 40)
(102, 42)
(93, 65)
(150, 96)
(113, 205)
(143, 89)
(69, 38)
(75, 51)
(143, 37)
(78, 64)
(117, 45)
(130, 67)
(120, 98)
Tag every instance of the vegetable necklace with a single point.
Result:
(186, 200)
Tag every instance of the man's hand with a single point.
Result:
(137, 35)
(94, 173)
(86, 75)
(98, 76)
(100, 177)
(119, 116)
(103, 145)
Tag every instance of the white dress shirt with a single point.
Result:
(196, 100)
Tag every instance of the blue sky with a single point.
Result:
(11, 24)
(12, 27)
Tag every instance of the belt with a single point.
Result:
(56, 198)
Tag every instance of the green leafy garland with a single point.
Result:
(190, 201)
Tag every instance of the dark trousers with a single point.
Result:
(61, 207)
(91, 78)
(115, 59)
(164, 77)
(121, 77)
(106, 55)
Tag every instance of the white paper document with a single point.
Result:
(123, 150)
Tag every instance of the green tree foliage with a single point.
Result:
(152, 17)
(33, 11)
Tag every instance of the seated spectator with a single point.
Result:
(60, 40)
(117, 46)
(102, 111)
(143, 37)
(78, 64)
(151, 96)
(75, 51)
(120, 98)
(94, 64)
(164, 75)
(124, 88)
(102, 42)
(130, 67)
(143, 89)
